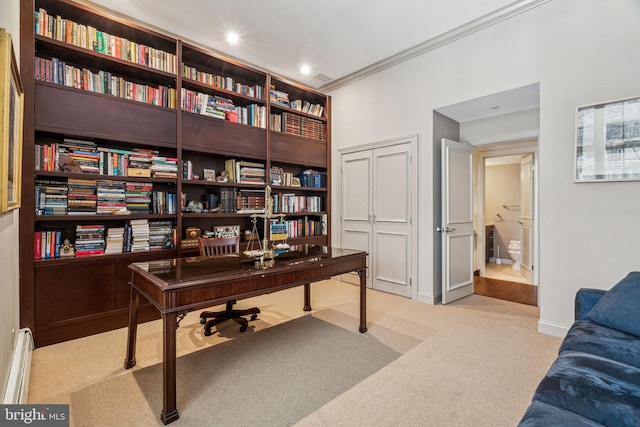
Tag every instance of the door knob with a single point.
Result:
(445, 230)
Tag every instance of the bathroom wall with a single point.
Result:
(502, 187)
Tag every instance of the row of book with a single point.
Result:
(281, 98)
(56, 71)
(294, 124)
(89, 37)
(217, 107)
(292, 203)
(227, 83)
(79, 156)
(307, 226)
(135, 236)
(90, 197)
(243, 201)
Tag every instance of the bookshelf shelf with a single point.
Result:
(58, 310)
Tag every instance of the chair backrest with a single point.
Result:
(219, 246)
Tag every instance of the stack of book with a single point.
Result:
(50, 197)
(81, 196)
(89, 240)
(140, 162)
(164, 167)
(139, 235)
(313, 178)
(138, 197)
(160, 232)
(304, 126)
(111, 196)
(82, 153)
(115, 240)
(278, 97)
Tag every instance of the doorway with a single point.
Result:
(505, 221)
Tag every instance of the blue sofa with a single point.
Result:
(595, 380)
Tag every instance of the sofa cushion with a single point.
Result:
(619, 307)
(589, 337)
(540, 414)
(596, 388)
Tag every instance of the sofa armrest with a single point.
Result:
(585, 300)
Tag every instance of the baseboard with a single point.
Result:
(430, 299)
(18, 384)
(553, 329)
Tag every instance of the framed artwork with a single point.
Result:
(608, 141)
(226, 230)
(11, 104)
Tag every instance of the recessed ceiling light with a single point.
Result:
(233, 37)
(305, 69)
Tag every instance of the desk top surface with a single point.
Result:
(180, 271)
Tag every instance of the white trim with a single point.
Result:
(17, 388)
(485, 21)
(507, 137)
(429, 298)
(553, 329)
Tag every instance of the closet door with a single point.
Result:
(356, 206)
(377, 214)
(392, 228)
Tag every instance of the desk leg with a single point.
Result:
(130, 360)
(363, 300)
(307, 297)
(169, 410)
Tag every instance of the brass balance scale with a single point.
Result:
(264, 255)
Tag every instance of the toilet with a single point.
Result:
(514, 252)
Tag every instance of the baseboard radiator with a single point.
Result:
(18, 383)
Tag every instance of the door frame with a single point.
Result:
(496, 150)
(413, 141)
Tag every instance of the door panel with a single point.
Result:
(392, 219)
(457, 214)
(356, 207)
(526, 215)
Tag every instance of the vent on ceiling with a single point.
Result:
(323, 78)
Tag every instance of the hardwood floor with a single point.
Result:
(502, 289)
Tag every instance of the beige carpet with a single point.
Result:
(475, 362)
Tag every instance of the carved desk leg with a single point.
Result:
(307, 297)
(363, 300)
(169, 409)
(130, 360)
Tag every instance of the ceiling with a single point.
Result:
(341, 40)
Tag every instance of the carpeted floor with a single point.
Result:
(475, 362)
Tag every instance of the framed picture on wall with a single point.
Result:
(608, 141)
(11, 104)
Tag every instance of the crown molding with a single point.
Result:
(471, 27)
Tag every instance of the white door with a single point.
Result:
(377, 214)
(526, 215)
(356, 206)
(392, 219)
(457, 220)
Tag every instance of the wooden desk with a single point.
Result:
(177, 286)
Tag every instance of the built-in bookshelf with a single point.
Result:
(133, 142)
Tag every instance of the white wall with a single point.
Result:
(9, 298)
(580, 52)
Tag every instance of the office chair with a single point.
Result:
(221, 246)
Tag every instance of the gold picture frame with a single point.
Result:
(11, 106)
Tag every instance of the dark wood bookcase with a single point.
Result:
(67, 298)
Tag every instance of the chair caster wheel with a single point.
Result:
(254, 316)
(243, 328)
(203, 320)
(207, 333)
